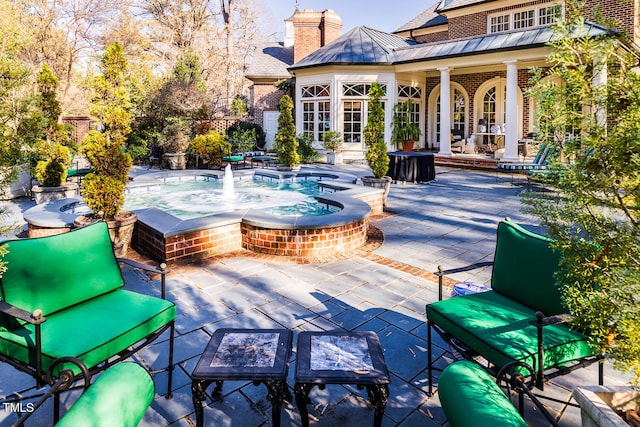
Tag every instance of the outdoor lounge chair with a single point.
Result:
(540, 163)
(520, 320)
(64, 313)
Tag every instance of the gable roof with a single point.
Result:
(270, 60)
(361, 45)
(428, 18)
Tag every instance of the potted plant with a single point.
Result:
(285, 140)
(210, 148)
(50, 156)
(376, 155)
(52, 162)
(333, 142)
(406, 131)
(174, 141)
(103, 190)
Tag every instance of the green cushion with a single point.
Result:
(498, 328)
(92, 331)
(54, 272)
(470, 397)
(119, 397)
(523, 270)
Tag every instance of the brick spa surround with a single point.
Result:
(167, 238)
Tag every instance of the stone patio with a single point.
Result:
(381, 287)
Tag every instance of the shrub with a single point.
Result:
(377, 157)
(210, 147)
(286, 140)
(260, 136)
(52, 162)
(103, 194)
(307, 153)
(175, 136)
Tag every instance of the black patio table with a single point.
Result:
(341, 358)
(258, 355)
(411, 166)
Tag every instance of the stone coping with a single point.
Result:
(56, 214)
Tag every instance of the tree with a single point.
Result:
(104, 187)
(377, 157)
(286, 141)
(595, 217)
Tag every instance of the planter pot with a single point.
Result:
(602, 406)
(384, 183)
(18, 188)
(335, 158)
(49, 194)
(408, 145)
(120, 229)
(176, 161)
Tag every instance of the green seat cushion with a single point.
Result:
(232, 158)
(524, 269)
(93, 331)
(55, 272)
(119, 397)
(470, 397)
(498, 328)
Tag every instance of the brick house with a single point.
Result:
(305, 32)
(467, 57)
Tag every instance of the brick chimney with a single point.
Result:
(312, 30)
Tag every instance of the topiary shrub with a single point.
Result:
(307, 153)
(286, 140)
(103, 194)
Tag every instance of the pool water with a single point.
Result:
(200, 195)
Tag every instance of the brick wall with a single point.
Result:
(621, 10)
(312, 30)
(37, 231)
(189, 246)
(81, 125)
(266, 98)
(319, 242)
(475, 24)
(433, 37)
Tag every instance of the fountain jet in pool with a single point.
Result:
(228, 189)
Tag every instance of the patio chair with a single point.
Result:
(457, 140)
(64, 313)
(540, 163)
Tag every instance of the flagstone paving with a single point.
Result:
(382, 287)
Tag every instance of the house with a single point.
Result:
(305, 32)
(467, 57)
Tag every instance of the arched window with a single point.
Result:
(490, 105)
(459, 112)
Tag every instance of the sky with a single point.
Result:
(385, 15)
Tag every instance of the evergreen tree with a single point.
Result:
(374, 133)
(286, 141)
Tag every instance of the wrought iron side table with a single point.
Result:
(341, 358)
(259, 355)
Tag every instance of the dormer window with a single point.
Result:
(521, 19)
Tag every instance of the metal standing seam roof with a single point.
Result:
(488, 43)
(361, 45)
(365, 46)
(456, 4)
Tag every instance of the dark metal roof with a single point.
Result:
(270, 60)
(428, 18)
(487, 43)
(361, 45)
(364, 46)
(457, 4)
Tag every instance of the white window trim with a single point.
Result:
(511, 14)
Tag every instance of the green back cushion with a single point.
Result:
(524, 266)
(470, 397)
(55, 272)
(119, 397)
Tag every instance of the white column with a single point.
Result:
(511, 123)
(445, 112)
(600, 77)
